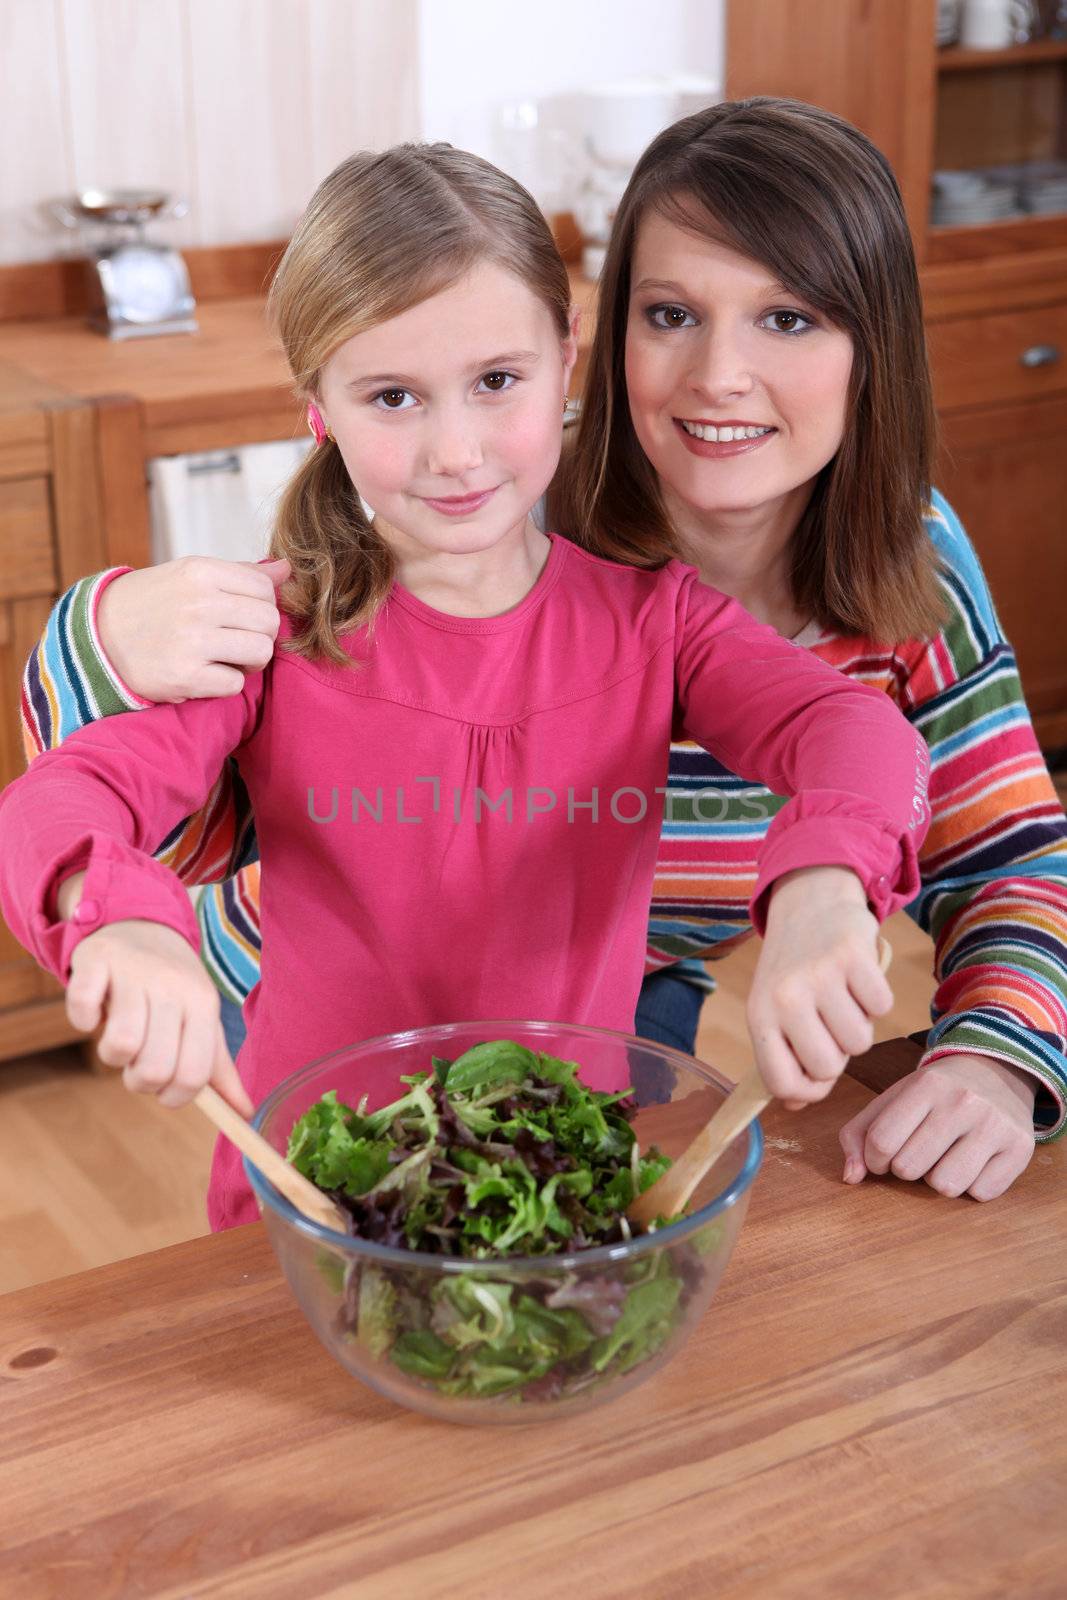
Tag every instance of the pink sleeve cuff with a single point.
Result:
(824, 828)
(120, 884)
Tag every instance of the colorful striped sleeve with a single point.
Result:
(228, 917)
(68, 680)
(994, 864)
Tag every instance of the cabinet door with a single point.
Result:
(1005, 472)
(870, 61)
(21, 622)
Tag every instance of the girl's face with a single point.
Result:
(449, 417)
(738, 390)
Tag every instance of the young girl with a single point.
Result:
(456, 753)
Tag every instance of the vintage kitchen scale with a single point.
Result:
(139, 288)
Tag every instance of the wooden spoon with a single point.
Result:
(292, 1184)
(670, 1194)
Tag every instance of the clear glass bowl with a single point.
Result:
(621, 1311)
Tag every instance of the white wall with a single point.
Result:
(239, 106)
(476, 54)
(242, 106)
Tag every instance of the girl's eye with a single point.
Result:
(670, 317)
(497, 382)
(394, 400)
(787, 322)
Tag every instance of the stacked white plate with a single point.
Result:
(1043, 189)
(966, 199)
(1039, 187)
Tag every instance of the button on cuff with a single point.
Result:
(86, 913)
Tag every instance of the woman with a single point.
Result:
(758, 402)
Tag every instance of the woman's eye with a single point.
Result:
(394, 399)
(787, 322)
(670, 317)
(497, 382)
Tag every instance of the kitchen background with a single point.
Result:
(237, 110)
(242, 106)
(120, 450)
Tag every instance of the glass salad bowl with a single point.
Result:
(512, 1338)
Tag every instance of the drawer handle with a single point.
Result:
(1040, 355)
(198, 466)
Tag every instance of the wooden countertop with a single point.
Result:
(875, 1405)
(231, 369)
(231, 365)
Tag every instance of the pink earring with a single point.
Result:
(316, 424)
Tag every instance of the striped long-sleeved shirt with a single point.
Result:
(994, 864)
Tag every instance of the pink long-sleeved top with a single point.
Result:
(462, 823)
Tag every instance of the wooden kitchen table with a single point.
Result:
(874, 1406)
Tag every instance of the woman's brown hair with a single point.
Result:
(381, 234)
(810, 198)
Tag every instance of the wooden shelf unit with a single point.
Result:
(994, 293)
(1012, 236)
(955, 59)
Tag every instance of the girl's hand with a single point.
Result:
(964, 1124)
(817, 985)
(162, 1013)
(190, 629)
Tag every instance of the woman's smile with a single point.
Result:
(710, 439)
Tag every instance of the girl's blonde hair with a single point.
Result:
(384, 232)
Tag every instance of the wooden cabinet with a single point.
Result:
(54, 460)
(31, 1007)
(999, 359)
(21, 981)
(27, 556)
(995, 292)
(80, 418)
(1005, 471)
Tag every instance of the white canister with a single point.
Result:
(994, 24)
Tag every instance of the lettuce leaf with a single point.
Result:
(502, 1152)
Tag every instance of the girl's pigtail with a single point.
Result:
(340, 565)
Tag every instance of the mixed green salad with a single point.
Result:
(501, 1153)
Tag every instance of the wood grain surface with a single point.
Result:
(875, 1405)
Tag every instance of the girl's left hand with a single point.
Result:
(964, 1124)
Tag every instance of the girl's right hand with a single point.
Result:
(190, 629)
(162, 1011)
(817, 984)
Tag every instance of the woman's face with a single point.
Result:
(738, 390)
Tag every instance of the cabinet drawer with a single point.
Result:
(27, 558)
(1015, 355)
(1004, 470)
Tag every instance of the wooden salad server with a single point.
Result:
(670, 1194)
(286, 1179)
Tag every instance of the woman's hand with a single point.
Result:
(190, 629)
(964, 1124)
(162, 1012)
(817, 985)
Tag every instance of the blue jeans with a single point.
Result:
(233, 1026)
(668, 1010)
